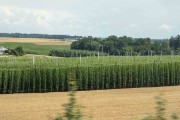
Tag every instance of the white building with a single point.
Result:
(70, 40)
(2, 50)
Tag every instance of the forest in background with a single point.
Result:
(114, 45)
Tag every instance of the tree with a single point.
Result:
(18, 51)
(87, 43)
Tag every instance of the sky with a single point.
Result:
(156, 19)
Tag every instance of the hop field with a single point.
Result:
(43, 74)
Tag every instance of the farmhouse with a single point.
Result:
(70, 40)
(2, 50)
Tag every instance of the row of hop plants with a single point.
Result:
(16, 62)
(75, 53)
(54, 79)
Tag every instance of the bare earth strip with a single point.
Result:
(119, 104)
(37, 41)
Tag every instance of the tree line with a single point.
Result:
(124, 45)
(25, 35)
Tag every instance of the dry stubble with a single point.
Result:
(119, 104)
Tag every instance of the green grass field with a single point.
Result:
(33, 48)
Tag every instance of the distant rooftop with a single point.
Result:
(2, 48)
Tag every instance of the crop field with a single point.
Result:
(34, 48)
(35, 45)
(38, 41)
(30, 75)
(119, 104)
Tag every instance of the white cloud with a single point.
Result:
(45, 19)
(90, 28)
(166, 27)
(5, 10)
(104, 22)
(115, 10)
(6, 21)
(133, 25)
(92, 17)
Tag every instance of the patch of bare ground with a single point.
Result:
(118, 104)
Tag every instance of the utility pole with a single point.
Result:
(80, 59)
(102, 48)
(33, 60)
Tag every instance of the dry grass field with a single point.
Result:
(37, 41)
(120, 104)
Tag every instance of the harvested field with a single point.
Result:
(37, 41)
(120, 104)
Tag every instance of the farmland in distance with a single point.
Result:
(35, 45)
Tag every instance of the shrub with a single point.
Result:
(18, 51)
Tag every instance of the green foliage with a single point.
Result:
(72, 110)
(160, 113)
(30, 48)
(74, 53)
(87, 43)
(129, 46)
(19, 74)
(175, 42)
(18, 51)
(160, 102)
